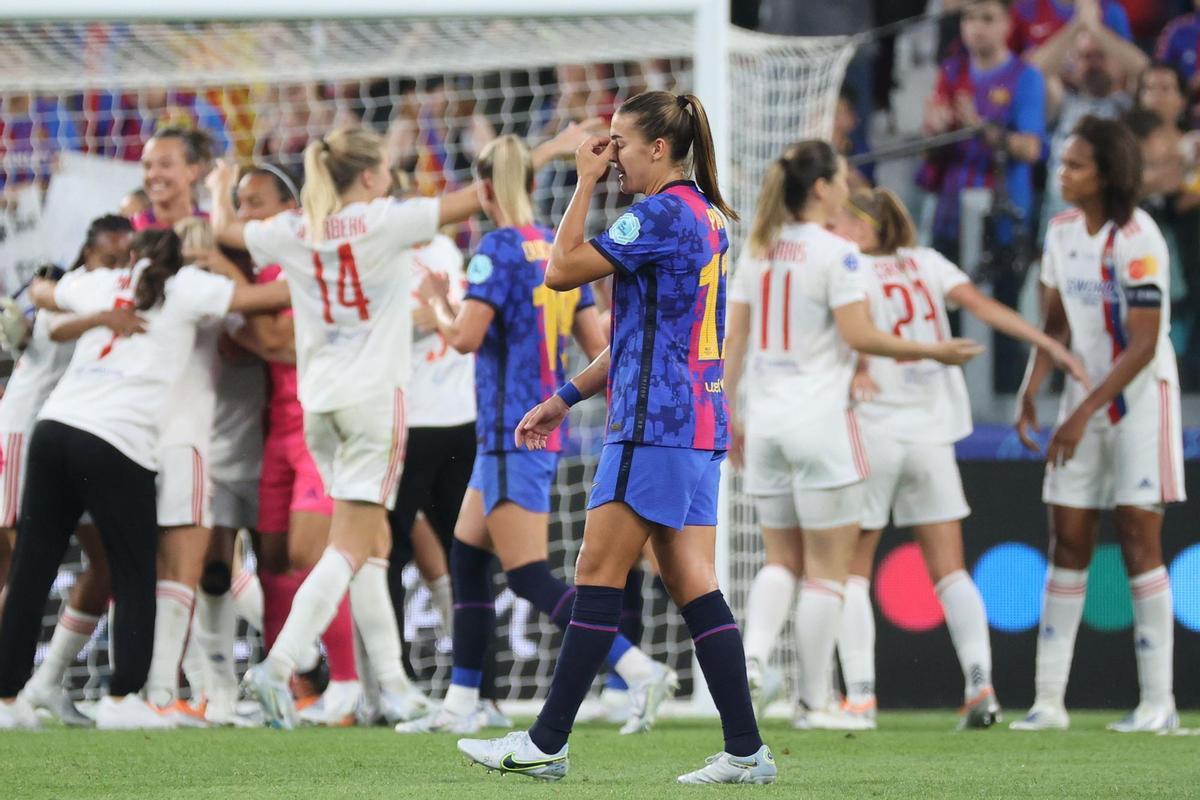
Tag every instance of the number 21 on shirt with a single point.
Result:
(347, 281)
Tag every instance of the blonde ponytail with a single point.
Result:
(331, 166)
(508, 164)
(770, 212)
(786, 187)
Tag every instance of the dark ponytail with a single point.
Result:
(165, 253)
(109, 223)
(681, 122)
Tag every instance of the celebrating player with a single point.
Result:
(660, 466)
(174, 161)
(799, 291)
(912, 412)
(353, 346)
(95, 449)
(1118, 445)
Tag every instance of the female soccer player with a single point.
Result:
(1118, 445)
(95, 449)
(519, 329)
(294, 509)
(912, 412)
(174, 161)
(353, 346)
(799, 291)
(659, 469)
(106, 246)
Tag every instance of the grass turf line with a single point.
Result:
(915, 754)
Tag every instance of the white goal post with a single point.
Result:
(510, 64)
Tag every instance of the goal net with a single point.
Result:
(438, 88)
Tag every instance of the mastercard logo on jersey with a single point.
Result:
(1146, 267)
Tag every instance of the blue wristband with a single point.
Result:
(569, 394)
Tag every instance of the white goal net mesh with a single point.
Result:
(438, 89)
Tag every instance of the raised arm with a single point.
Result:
(121, 321)
(463, 328)
(572, 261)
(855, 326)
(228, 229)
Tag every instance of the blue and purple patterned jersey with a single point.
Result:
(666, 378)
(524, 352)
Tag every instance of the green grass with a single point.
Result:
(913, 755)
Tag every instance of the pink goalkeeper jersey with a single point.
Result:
(284, 412)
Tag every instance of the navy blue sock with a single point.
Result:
(631, 621)
(590, 634)
(534, 582)
(474, 612)
(719, 650)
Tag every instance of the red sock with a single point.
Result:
(278, 591)
(339, 644)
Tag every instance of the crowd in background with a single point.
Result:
(1020, 72)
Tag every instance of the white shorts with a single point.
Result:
(813, 456)
(1137, 462)
(812, 509)
(13, 446)
(184, 492)
(360, 450)
(913, 483)
(235, 504)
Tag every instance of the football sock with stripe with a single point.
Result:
(1062, 609)
(719, 650)
(172, 618)
(474, 624)
(595, 618)
(631, 622)
(312, 609)
(338, 639)
(73, 631)
(375, 618)
(767, 608)
(818, 615)
(1154, 634)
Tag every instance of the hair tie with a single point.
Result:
(682, 101)
(283, 177)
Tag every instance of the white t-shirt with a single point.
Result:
(350, 295)
(798, 365)
(117, 388)
(1097, 295)
(188, 416)
(36, 373)
(919, 401)
(442, 390)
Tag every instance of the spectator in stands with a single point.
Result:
(1054, 56)
(1035, 22)
(32, 130)
(119, 124)
(1096, 63)
(1179, 44)
(986, 84)
(845, 123)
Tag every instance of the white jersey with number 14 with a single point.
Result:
(350, 296)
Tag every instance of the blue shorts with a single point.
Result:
(673, 486)
(523, 477)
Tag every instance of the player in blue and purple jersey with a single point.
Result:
(667, 430)
(519, 330)
(1179, 44)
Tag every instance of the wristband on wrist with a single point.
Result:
(569, 394)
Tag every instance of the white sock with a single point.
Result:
(443, 600)
(313, 609)
(193, 664)
(73, 631)
(856, 641)
(214, 630)
(967, 620)
(1062, 608)
(817, 616)
(1154, 635)
(371, 607)
(634, 667)
(248, 598)
(767, 607)
(172, 615)
(461, 699)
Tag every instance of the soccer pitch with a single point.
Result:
(915, 754)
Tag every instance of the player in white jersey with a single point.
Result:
(797, 313)
(350, 295)
(1118, 445)
(912, 413)
(106, 246)
(95, 449)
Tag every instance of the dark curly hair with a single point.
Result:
(1118, 159)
